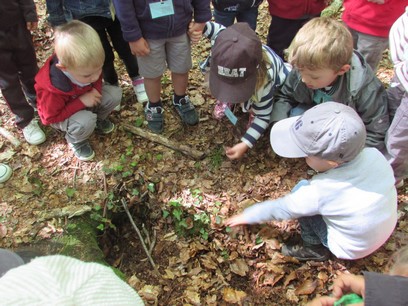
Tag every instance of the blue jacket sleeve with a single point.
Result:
(126, 12)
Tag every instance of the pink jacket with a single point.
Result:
(372, 18)
(296, 9)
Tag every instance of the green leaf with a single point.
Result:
(228, 229)
(139, 122)
(258, 240)
(150, 187)
(101, 227)
(165, 213)
(70, 192)
(177, 213)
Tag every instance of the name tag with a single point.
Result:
(162, 8)
(230, 115)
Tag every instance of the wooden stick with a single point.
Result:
(139, 234)
(196, 154)
(10, 137)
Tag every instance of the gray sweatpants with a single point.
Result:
(81, 125)
(370, 46)
(396, 140)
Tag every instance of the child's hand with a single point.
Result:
(139, 47)
(322, 301)
(236, 151)
(236, 220)
(31, 26)
(348, 283)
(194, 31)
(91, 98)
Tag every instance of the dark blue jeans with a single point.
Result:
(313, 229)
(228, 18)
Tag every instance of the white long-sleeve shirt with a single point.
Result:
(358, 203)
(399, 48)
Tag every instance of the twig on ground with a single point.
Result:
(10, 137)
(196, 154)
(139, 234)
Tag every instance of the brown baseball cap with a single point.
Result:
(235, 58)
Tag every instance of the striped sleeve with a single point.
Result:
(262, 108)
(399, 48)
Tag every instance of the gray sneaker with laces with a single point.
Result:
(104, 126)
(82, 150)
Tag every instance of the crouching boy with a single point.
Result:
(70, 93)
(349, 208)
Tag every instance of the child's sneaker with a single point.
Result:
(82, 150)
(219, 109)
(5, 172)
(186, 111)
(33, 133)
(139, 88)
(104, 126)
(154, 117)
(306, 251)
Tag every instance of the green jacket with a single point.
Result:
(359, 88)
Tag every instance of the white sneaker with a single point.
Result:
(33, 133)
(139, 88)
(5, 172)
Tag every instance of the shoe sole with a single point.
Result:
(82, 158)
(7, 175)
(38, 142)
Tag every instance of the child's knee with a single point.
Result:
(111, 96)
(82, 124)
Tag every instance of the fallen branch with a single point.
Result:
(10, 137)
(139, 234)
(196, 154)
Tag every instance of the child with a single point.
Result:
(327, 69)
(226, 11)
(5, 173)
(397, 135)
(18, 65)
(71, 97)
(157, 35)
(376, 288)
(100, 15)
(344, 209)
(369, 21)
(238, 48)
(287, 18)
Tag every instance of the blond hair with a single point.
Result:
(78, 45)
(262, 74)
(321, 43)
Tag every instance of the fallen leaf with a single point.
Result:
(231, 295)
(307, 287)
(239, 267)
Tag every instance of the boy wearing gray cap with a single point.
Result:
(344, 209)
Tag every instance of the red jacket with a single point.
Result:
(57, 96)
(296, 9)
(372, 18)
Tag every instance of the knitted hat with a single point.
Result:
(235, 58)
(61, 280)
(331, 131)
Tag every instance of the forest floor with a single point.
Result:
(178, 202)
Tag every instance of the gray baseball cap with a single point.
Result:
(331, 131)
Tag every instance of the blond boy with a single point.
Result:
(326, 68)
(70, 93)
